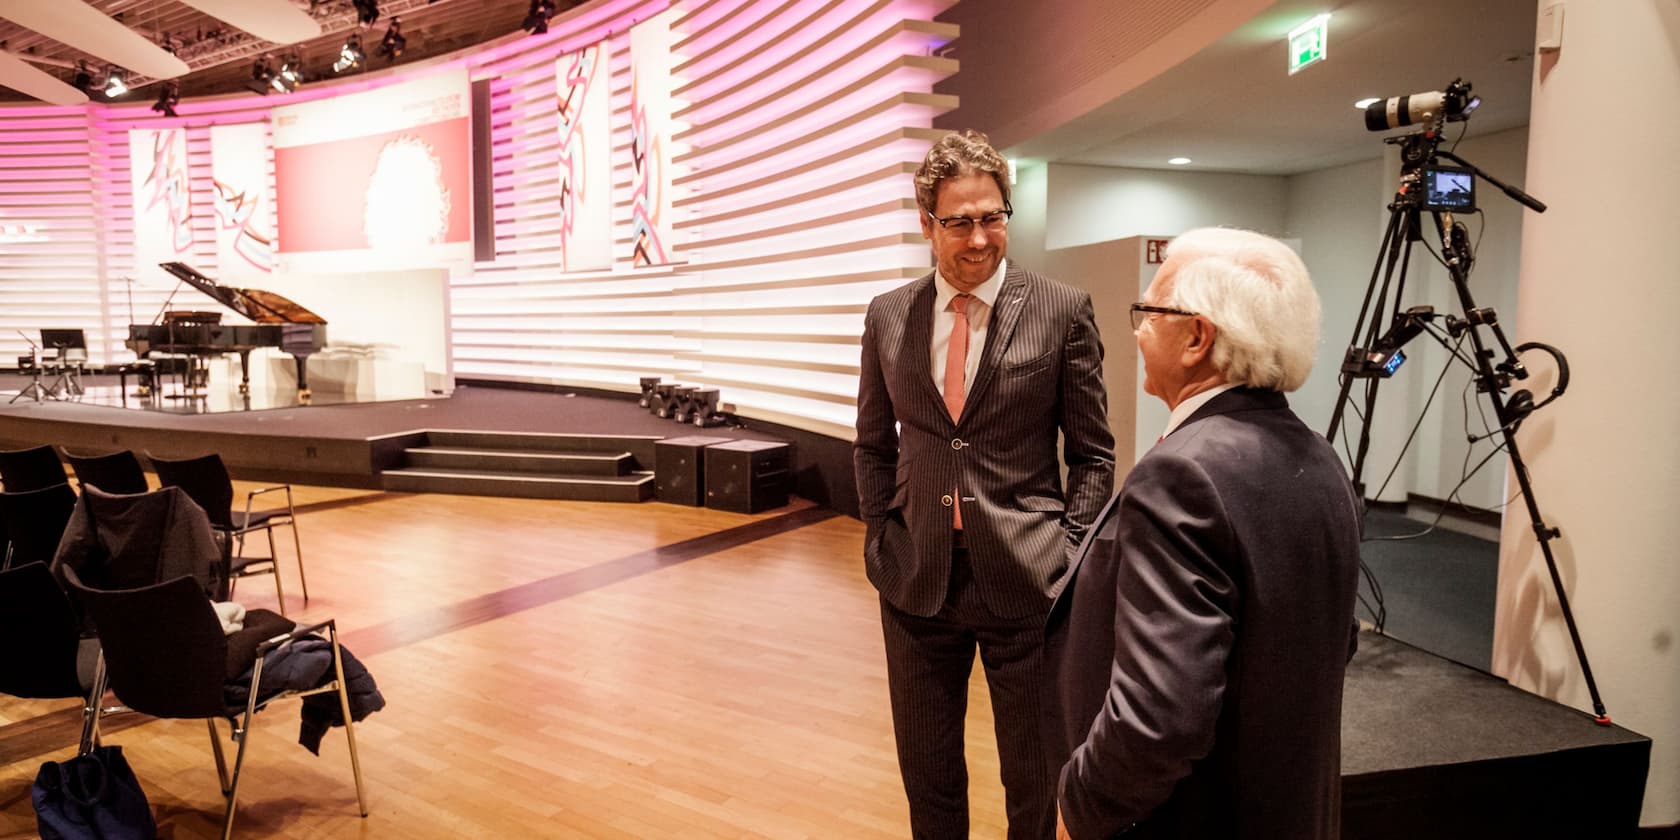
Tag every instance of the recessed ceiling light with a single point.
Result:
(1367, 102)
(1178, 161)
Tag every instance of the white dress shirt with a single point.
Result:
(979, 317)
(1189, 406)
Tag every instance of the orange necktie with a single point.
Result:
(956, 366)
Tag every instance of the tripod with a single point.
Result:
(1374, 356)
(36, 390)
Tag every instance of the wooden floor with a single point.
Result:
(558, 669)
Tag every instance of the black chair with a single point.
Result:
(118, 472)
(206, 480)
(44, 656)
(166, 656)
(22, 470)
(123, 541)
(35, 523)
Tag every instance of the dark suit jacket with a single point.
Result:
(1201, 639)
(1041, 373)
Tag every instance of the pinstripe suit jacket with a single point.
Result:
(1040, 374)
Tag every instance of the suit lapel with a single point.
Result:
(1011, 301)
(918, 338)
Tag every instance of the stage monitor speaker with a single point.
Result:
(747, 476)
(680, 468)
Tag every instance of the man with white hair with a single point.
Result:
(1203, 632)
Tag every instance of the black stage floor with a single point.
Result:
(1433, 749)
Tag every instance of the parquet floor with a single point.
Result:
(558, 669)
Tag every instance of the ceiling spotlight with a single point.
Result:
(84, 78)
(168, 97)
(1178, 161)
(393, 44)
(262, 73)
(350, 56)
(115, 86)
(536, 20)
(367, 11)
(290, 75)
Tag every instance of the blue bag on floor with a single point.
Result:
(91, 797)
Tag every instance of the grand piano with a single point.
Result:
(279, 323)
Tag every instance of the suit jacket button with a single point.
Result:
(957, 443)
(945, 500)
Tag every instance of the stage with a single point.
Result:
(351, 444)
(1431, 748)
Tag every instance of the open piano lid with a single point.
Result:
(261, 306)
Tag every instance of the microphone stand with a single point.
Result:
(1369, 359)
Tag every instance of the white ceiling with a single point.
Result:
(1233, 107)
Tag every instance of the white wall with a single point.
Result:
(1598, 281)
(1098, 203)
(406, 309)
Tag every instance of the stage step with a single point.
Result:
(520, 461)
(635, 487)
(601, 468)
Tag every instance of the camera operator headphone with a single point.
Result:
(1522, 401)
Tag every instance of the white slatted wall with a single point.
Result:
(796, 127)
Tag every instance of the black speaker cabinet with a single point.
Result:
(679, 468)
(747, 476)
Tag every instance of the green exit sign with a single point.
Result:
(1309, 43)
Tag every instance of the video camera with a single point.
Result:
(1453, 104)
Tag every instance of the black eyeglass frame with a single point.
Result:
(1141, 311)
(946, 222)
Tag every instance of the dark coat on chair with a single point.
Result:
(126, 542)
(1203, 634)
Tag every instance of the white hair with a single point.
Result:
(1256, 291)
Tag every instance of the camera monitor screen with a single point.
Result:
(1449, 188)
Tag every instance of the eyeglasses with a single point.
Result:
(1142, 311)
(993, 222)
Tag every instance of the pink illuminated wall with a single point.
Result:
(792, 131)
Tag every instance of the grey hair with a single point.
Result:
(955, 155)
(1258, 294)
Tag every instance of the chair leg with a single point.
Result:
(244, 742)
(297, 547)
(349, 725)
(221, 761)
(274, 559)
(90, 708)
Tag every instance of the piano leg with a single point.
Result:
(303, 379)
(244, 371)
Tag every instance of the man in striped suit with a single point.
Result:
(968, 376)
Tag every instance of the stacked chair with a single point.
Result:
(46, 656)
(117, 472)
(34, 522)
(206, 481)
(34, 506)
(167, 656)
(141, 570)
(23, 470)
